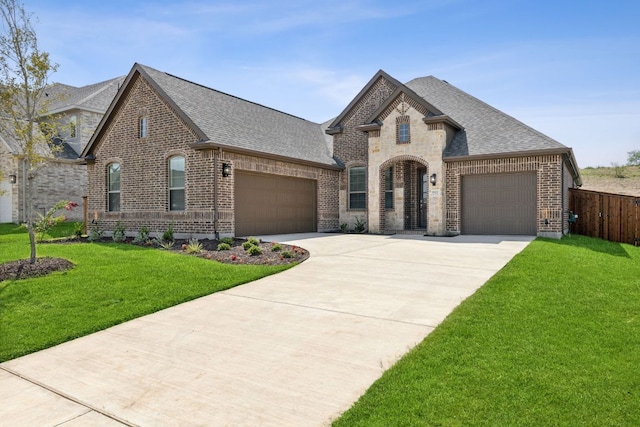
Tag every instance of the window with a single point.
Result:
(143, 127)
(73, 127)
(388, 188)
(114, 187)
(176, 183)
(357, 188)
(403, 132)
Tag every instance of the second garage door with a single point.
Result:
(273, 204)
(499, 204)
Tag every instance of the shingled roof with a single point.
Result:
(94, 97)
(486, 130)
(225, 121)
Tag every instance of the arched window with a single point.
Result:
(357, 188)
(176, 183)
(113, 187)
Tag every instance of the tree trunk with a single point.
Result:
(32, 242)
(29, 213)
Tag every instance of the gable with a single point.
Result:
(372, 95)
(119, 135)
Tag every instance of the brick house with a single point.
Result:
(79, 109)
(422, 157)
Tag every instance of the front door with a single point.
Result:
(423, 188)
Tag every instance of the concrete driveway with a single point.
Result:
(294, 349)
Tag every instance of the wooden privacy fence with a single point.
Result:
(611, 217)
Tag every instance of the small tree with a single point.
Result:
(24, 73)
(634, 158)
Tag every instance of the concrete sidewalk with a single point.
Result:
(294, 349)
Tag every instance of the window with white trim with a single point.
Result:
(176, 183)
(113, 187)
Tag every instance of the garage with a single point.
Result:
(499, 204)
(273, 204)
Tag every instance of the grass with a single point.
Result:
(110, 284)
(552, 339)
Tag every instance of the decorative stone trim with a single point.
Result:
(402, 109)
(409, 181)
(403, 120)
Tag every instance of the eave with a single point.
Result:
(211, 145)
(443, 119)
(369, 127)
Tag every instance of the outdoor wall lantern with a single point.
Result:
(226, 169)
(432, 179)
(13, 179)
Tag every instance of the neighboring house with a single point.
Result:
(422, 157)
(79, 109)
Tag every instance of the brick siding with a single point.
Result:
(550, 216)
(144, 173)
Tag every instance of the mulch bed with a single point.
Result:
(21, 269)
(237, 254)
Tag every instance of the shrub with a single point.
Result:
(246, 245)
(253, 241)
(166, 244)
(227, 240)
(78, 229)
(194, 246)
(224, 246)
(254, 250)
(286, 254)
(95, 232)
(343, 227)
(360, 225)
(167, 236)
(277, 247)
(119, 233)
(143, 236)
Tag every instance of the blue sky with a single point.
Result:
(570, 69)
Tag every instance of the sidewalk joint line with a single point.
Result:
(325, 309)
(68, 397)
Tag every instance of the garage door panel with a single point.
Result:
(499, 204)
(273, 204)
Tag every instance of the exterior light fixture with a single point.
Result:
(13, 179)
(432, 179)
(226, 169)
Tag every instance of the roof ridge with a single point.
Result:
(108, 84)
(520, 123)
(235, 97)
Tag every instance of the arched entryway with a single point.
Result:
(404, 192)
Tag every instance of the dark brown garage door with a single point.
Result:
(272, 204)
(499, 204)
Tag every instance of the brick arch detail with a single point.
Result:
(383, 166)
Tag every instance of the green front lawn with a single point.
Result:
(110, 284)
(553, 339)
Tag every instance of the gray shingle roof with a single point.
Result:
(486, 130)
(237, 123)
(94, 97)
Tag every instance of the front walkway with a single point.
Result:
(294, 349)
